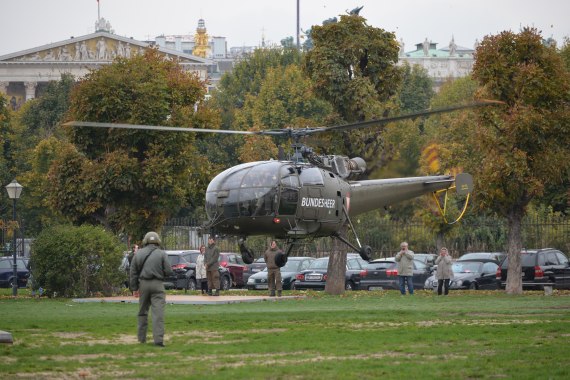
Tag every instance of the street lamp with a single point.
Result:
(14, 190)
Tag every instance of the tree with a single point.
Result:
(243, 82)
(526, 143)
(565, 53)
(417, 88)
(285, 100)
(36, 121)
(353, 66)
(132, 180)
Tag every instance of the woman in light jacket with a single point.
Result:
(201, 279)
(444, 273)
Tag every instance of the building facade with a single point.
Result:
(24, 74)
(450, 62)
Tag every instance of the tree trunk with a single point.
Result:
(336, 271)
(514, 244)
(439, 242)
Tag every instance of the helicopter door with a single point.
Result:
(312, 201)
(289, 193)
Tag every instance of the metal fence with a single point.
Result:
(479, 235)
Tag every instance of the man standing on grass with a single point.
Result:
(405, 260)
(149, 268)
(273, 271)
(211, 258)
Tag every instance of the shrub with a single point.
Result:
(76, 261)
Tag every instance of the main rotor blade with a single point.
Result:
(173, 129)
(413, 115)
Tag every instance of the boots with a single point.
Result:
(272, 293)
(279, 293)
(209, 292)
(216, 292)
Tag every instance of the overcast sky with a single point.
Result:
(26, 24)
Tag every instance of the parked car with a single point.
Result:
(237, 267)
(540, 267)
(426, 258)
(382, 274)
(7, 272)
(184, 266)
(289, 272)
(315, 276)
(497, 256)
(470, 274)
(257, 266)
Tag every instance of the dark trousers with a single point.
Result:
(406, 280)
(203, 283)
(213, 279)
(274, 279)
(443, 283)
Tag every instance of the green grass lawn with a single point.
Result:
(361, 335)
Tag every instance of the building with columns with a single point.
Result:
(24, 74)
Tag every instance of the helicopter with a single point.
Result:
(307, 195)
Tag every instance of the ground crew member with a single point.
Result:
(273, 271)
(149, 268)
(211, 258)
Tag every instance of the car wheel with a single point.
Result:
(191, 284)
(225, 283)
(11, 283)
(293, 287)
(349, 286)
(473, 286)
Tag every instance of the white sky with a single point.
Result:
(26, 24)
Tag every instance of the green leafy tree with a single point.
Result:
(76, 261)
(565, 53)
(38, 120)
(525, 144)
(417, 88)
(285, 100)
(353, 66)
(132, 180)
(243, 82)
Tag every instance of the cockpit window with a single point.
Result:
(311, 176)
(262, 175)
(289, 177)
(244, 190)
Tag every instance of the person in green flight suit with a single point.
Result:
(149, 268)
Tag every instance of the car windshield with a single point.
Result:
(192, 257)
(291, 266)
(319, 264)
(465, 267)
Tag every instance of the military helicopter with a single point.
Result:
(307, 195)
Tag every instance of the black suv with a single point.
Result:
(540, 267)
(184, 267)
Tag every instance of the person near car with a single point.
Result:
(405, 260)
(149, 268)
(273, 270)
(201, 277)
(444, 274)
(211, 257)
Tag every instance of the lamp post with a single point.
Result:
(14, 190)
